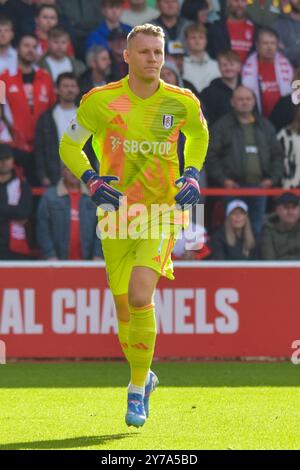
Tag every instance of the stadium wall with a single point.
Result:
(65, 309)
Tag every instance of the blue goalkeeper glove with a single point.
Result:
(189, 193)
(102, 193)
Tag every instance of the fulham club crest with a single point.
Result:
(168, 120)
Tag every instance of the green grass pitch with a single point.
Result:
(197, 406)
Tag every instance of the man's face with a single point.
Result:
(289, 214)
(267, 46)
(6, 35)
(112, 13)
(6, 165)
(68, 90)
(168, 8)
(229, 68)
(102, 63)
(243, 101)
(237, 8)
(196, 42)
(145, 56)
(46, 20)
(58, 47)
(295, 4)
(28, 50)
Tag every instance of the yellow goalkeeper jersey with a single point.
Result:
(136, 139)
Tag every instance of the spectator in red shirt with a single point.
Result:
(267, 72)
(46, 18)
(29, 93)
(15, 209)
(66, 222)
(236, 32)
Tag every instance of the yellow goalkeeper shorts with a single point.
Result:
(122, 255)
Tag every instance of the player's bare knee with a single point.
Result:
(139, 299)
(142, 287)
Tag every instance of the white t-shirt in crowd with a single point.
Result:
(4, 133)
(200, 72)
(59, 66)
(62, 118)
(9, 61)
(133, 18)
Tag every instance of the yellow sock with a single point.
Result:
(123, 333)
(142, 336)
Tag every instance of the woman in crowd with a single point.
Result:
(234, 240)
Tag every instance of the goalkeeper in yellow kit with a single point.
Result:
(135, 125)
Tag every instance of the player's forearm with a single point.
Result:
(195, 151)
(73, 156)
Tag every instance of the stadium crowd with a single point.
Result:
(238, 57)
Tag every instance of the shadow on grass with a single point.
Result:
(72, 443)
(103, 375)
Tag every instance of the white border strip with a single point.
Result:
(177, 264)
(237, 264)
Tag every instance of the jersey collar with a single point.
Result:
(137, 98)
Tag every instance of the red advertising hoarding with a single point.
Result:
(210, 310)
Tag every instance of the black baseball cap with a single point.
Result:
(5, 151)
(287, 198)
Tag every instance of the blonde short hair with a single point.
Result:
(149, 29)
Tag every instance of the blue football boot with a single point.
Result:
(153, 383)
(135, 415)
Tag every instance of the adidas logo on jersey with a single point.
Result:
(118, 121)
(140, 346)
(13, 89)
(157, 259)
